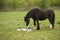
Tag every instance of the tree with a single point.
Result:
(2, 4)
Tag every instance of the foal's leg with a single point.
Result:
(38, 28)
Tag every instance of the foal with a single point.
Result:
(39, 14)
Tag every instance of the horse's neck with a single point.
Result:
(28, 16)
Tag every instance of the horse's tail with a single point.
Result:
(54, 17)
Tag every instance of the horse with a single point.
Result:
(40, 14)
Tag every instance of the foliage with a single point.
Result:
(13, 4)
(2, 3)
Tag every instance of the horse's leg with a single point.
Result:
(34, 24)
(52, 19)
(27, 24)
(38, 28)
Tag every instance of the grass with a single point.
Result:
(10, 21)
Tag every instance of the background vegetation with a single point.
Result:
(27, 4)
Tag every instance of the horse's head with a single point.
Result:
(26, 19)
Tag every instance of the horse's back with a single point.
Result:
(40, 14)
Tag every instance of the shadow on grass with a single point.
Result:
(58, 22)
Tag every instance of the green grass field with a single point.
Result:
(10, 21)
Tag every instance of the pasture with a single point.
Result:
(11, 21)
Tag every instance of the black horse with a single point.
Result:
(40, 14)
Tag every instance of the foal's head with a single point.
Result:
(26, 19)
